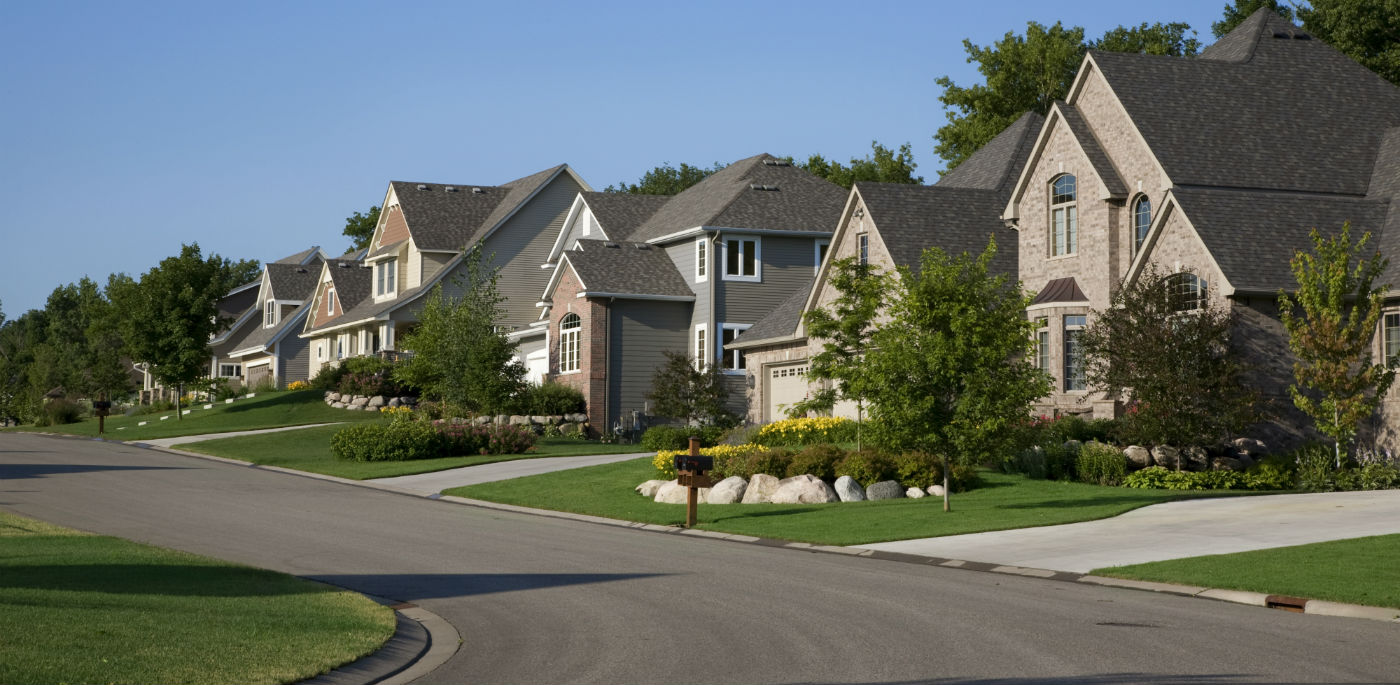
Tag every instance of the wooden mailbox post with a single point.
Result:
(690, 472)
(102, 407)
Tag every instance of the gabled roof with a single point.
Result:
(304, 257)
(1112, 181)
(1385, 185)
(1268, 107)
(621, 214)
(1253, 234)
(448, 217)
(778, 325)
(995, 165)
(292, 281)
(760, 192)
(352, 281)
(260, 338)
(622, 269)
(911, 218)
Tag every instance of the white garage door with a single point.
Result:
(786, 384)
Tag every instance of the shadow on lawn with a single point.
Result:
(184, 580)
(296, 397)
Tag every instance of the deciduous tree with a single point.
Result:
(666, 180)
(680, 390)
(950, 373)
(359, 228)
(1368, 31)
(882, 165)
(1331, 322)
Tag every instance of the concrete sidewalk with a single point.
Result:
(186, 439)
(437, 481)
(1174, 530)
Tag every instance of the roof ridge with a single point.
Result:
(752, 162)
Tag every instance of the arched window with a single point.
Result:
(569, 328)
(1142, 220)
(1188, 291)
(1064, 217)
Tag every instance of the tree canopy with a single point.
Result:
(359, 228)
(1240, 10)
(882, 165)
(1029, 72)
(666, 180)
(1368, 31)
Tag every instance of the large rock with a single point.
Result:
(1250, 446)
(1166, 456)
(1195, 458)
(935, 490)
(1226, 464)
(338, 405)
(518, 420)
(1073, 446)
(570, 428)
(728, 491)
(359, 401)
(804, 489)
(377, 401)
(354, 407)
(554, 420)
(649, 488)
(410, 401)
(672, 492)
(761, 488)
(885, 489)
(539, 420)
(915, 493)
(332, 396)
(481, 420)
(1139, 457)
(1245, 460)
(576, 418)
(501, 419)
(849, 490)
(396, 401)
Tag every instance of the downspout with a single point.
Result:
(607, 365)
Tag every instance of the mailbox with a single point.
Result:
(696, 464)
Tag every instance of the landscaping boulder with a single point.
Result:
(359, 401)
(377, 401)
(1226, 464)
(760, 490)
(915, 493)
(649, 488)
(518, 420)
(576, 418)
(539, 420)
(354, 407)
(672, 492)
(1166, 456)
(804, 489)
(1073, 446)
(1245, 460)
(1139, 457)
(885, 489)
(338, 405)
(481, 420)
(1195, 459)
(1249, 446)
(570, 428)
(935, 490)
(728, 491)
(849, 490)
(396, 401)
(332, 396)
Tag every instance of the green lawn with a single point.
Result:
(79, 608)
(309, 450)
(1004, 502)
(265, 410)
(1356, 571)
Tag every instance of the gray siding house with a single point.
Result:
(687, 274)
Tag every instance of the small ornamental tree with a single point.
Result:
(1331, 322)
(950, 374)
(460, 354)
(679, 390)
(1164, 346)
(844, 331)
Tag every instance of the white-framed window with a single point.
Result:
(1142, 220)
(819, 254)
(386, 335)
(330, 302)
(731, 360)
(702, 348)
(230, 371)
(863, 247)
(340, 346)
(585, 224)
(1188, 291)
(1390, 336)
(1042, 344)
(385, 273)
(742, 259)
(320, 351)
(1074, 352)
(702, 259)
(1064, 217)
(569, 329)
(269, 313)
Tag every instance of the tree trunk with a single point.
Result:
(179, 390)
(860, 421)
(1336, 444)
(946, 489)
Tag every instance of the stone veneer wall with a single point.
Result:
(757, 360)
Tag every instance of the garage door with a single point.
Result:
(786, 384)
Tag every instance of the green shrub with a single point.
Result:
(1377, 476)
(963, 478)
(659, 438)
(773, 462)
(1157, 477)
(1029, 462)
(1101, 464)
(1272, 473)
(918, 470)
(60, 411)
(1315, 468)
(866, 466)
(549, 399)
(399, 441)
(746, 460)
(817, 460)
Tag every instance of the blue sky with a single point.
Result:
(255, 128)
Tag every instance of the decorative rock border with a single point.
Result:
(765, 489)
(566, 424)
(367, 402)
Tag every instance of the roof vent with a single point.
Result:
(610, 245)
(450, 189)
(756, 186)
(642, 246)
(478, 191)
(344, 265)
(776, 162)
(422, 186)
(1295, 34)
(301, 270)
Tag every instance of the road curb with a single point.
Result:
(1299, 605)
(422, 641)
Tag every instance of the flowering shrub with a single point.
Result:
(665, 463)
(807, 431)
(298, 385)
(403, 413)
(462, 438)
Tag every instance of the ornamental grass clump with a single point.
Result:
(806, 431)
(1101, 464)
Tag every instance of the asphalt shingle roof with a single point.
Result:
(1258, 111)
(911, 218)
(1385, 184)
(779, 323)
(996, 165)
(293, 281)
(627, 268)
(621, 214)
(300, 257)
(260, 338)
(1112, 181)
(443, 219)
(728, 198)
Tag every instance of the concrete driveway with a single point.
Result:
(1174, 530)
(437, 481)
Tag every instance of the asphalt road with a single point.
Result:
(546, 600)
